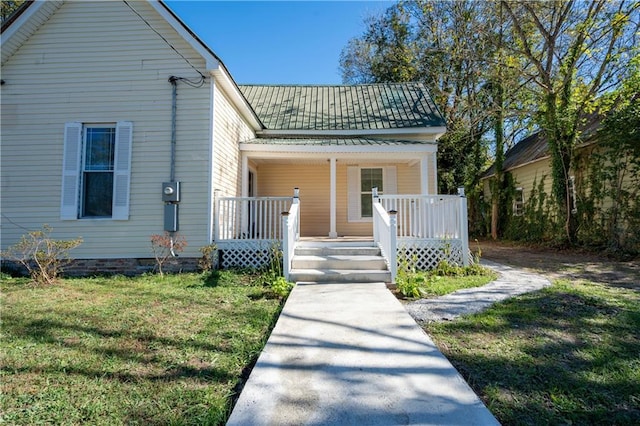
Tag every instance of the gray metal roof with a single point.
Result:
(335, 142)
(356, 107)
(536, 146)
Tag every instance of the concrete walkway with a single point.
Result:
(350, 354)
(511, 282)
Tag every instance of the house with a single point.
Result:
(529, 165)
(118, 123)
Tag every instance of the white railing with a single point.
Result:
(291, 228)
(250, 218)
(429, 227)
(428, 216)
(385, 233)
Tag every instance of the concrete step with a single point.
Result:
(337, 251)
(339, 261)
(339, 275)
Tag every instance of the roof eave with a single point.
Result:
(431, 132)
(213, 63)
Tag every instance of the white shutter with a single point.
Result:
(71, 162)
(122, 170)
(390, 180)
(353, 193)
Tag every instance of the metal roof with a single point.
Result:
(536, 146)
(353, 107)
(335, 142)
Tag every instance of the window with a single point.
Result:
(96, 171)
(360, 180)
(369, 178)
(518, 202)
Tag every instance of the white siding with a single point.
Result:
(100, 62)
(229, 130)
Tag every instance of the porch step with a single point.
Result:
(340, 262)
(339, 276)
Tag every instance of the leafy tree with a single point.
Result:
(576, 51)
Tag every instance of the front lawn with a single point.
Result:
(569, 354)
(145, 350)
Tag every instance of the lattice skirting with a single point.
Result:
(245, 254)
(424, 255)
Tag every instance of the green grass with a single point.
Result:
(143, 350)
(443, 280)
(569, 354)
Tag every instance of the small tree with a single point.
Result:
(43, 257)
(165, 246)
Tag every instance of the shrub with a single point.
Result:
(166, 246)
(206, 262)
(43, 257)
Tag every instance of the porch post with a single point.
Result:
(393, 244)
(332, 199)
(244, 189)
(424, 175)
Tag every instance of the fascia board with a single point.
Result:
(328, 149)
(213, 64)
(369, 156)
(210, 59)
(226, 82)
(19, 22)
(434, 132)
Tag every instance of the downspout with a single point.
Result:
(174, 108)
(171, 206)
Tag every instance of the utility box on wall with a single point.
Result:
(171, 192)
(171, 217)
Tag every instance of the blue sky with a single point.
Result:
(278, 42)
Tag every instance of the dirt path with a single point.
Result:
(565, 264)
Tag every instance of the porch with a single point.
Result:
(418, 230)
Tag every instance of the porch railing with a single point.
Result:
(250, 218)
(424, 229)
(385, 231)
(291, 228)
(427, 216)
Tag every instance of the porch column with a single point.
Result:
(244, 190)
(332, 200)
(245, 176)
(424, 175)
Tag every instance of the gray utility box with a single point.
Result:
(171, 217)
(171, 192)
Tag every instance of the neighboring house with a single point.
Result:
(105, 104)
(529, 163)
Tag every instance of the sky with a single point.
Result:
(278, 42)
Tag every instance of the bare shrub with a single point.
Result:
(43, 257)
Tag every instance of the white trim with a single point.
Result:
(180, 27)
(326, 149)
(236, 97)
(212, 164)
(212, 63)
(244, 175)
(332, 199)
(424, 175)
(434, 170)
(432, 132)
(15, 26)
